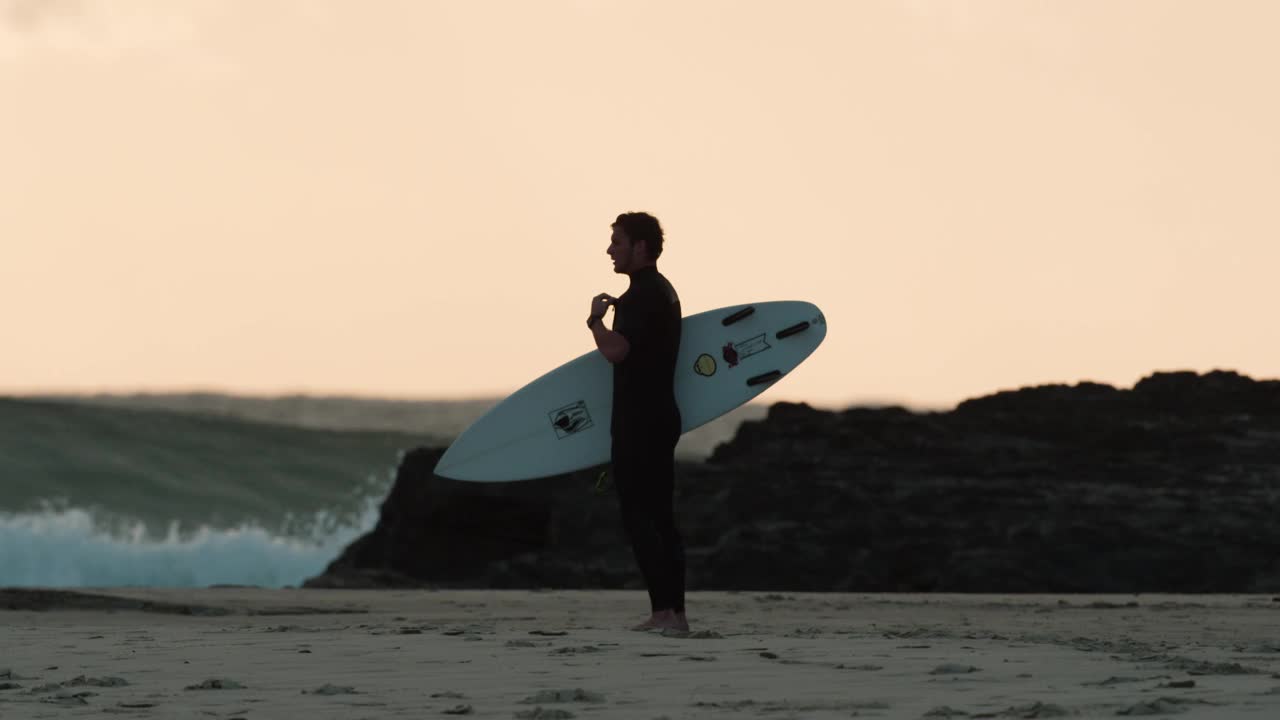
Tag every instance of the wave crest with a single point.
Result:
(68, 547)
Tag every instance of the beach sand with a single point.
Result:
(253, 653)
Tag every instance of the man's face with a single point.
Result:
(623, 252)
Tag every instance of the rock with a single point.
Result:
(1086, 488)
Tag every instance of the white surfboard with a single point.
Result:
(560, 422)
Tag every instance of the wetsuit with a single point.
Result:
(645, 428)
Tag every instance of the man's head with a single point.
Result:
(636, 242)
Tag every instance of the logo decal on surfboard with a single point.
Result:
(570, 419)
(705, 365)
(735, 353)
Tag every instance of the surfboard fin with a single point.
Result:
(765, 377)
(789, 331)
(735, 317)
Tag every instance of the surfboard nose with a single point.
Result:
(452, 471)
(446, 466)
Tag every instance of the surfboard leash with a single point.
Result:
(602, 483)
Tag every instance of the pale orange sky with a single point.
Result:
(412, 199)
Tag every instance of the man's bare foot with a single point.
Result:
(678, 622)
(665, 620)
(650, 624)
(672, 620)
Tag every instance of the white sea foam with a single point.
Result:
(66, 547)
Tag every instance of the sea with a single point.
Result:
(200, 489)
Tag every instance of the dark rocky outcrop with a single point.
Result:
(1173, 485)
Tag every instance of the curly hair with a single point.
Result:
(642, 227)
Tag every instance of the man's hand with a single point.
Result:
(600, 303)
(611, 343)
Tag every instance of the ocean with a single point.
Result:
(205, 489)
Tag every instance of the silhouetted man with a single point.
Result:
(642, 346)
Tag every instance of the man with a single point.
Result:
(642, 346)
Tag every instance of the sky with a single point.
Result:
(412, 198)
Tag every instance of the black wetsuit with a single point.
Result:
(645, 427)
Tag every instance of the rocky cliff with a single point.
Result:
(1173, 485)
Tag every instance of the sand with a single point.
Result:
(252, 653)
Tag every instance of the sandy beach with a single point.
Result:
(252, 653)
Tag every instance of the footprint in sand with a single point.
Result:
(563, 696)
(525, 643)
(1036, 710)
(953, 669)
(66, 698)
(329, 689)
(96, 682)
(216, 684)
(576, 650)
(1161, 706)
(539, 713)
(1117, 680)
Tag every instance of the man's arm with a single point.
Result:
(612, 344)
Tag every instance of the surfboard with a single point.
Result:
(559, 423)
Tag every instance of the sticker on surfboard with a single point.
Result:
(734, 353)
(570, 419)
(705, 365)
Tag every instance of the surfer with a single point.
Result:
(642, 347)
